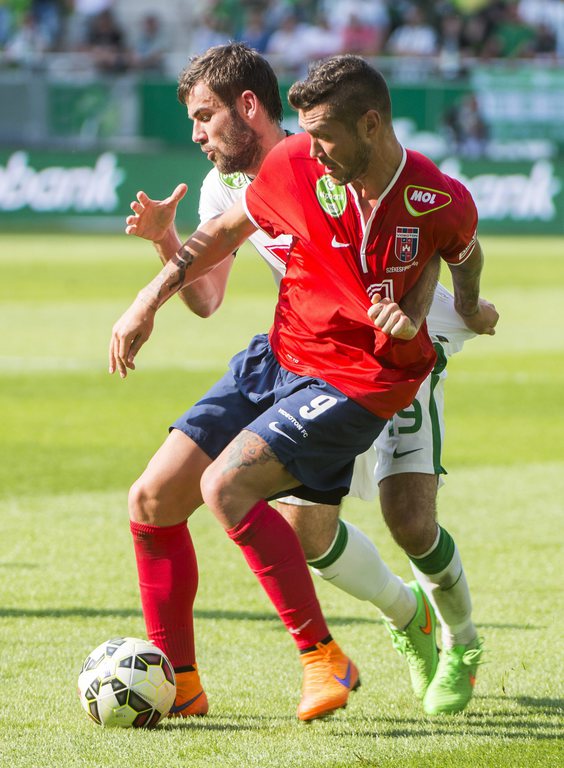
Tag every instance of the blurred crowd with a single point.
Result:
(32, 29)
(290, 32)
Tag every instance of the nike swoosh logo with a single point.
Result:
(299, 629)
(426, 629)
(399, 455)
(346, 680)
(180, 707)
(336, 244)
(278, 431)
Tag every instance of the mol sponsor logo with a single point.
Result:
(58, 189)
(422, 200)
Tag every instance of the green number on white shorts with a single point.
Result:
(413, 415)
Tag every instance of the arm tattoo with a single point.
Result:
(183, 257)
(169, 281)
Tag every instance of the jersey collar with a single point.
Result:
(366, 227)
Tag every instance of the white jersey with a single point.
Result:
(218, 193)
(220, 190)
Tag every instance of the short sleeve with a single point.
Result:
(460, 227)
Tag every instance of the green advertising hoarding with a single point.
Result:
(92, 190)
(164, 119)
(525, 103)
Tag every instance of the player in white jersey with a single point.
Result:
(408, 468)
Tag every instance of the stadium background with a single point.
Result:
(82, 128)
(90, 115)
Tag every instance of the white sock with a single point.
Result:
(450, 596)
(353, 564)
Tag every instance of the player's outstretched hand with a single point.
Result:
(128, 336)
(484, 320)
(153, 218)
(391, 319)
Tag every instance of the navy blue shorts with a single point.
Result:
(315, 431)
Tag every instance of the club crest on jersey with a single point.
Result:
(422, 200)
(235, 180)
(407, 243)
(331, 197)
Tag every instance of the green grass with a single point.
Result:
(74, 438)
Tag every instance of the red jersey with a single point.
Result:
(338, 262)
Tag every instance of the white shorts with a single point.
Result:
(410, 442)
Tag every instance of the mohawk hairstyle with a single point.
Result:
(347, 84)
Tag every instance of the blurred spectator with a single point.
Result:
(466, 129)
(285, 44)
(319, 39)
(536, 12)
(27, 45)
(6, 18)
(255, 32)
(371, 13)
(48, 15)
(512, 37)
(105, 42)
(277, 11)
(210, 30)
(544, 44)
(82, 12)
(362, 38)
(150, 46)
(450, 37)
(415, 37)
(229, 13)
(476, 37)
(556, 21)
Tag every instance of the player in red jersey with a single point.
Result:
(346, 334)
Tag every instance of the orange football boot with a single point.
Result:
(329, 677)
(191, 699)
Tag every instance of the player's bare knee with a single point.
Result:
(210, 487)
(414, 533)
(316, 526)
(229, 498)
(141, 503)
(408, 503)
(216, 490)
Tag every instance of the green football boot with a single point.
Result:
(453, 685)
(417, 642)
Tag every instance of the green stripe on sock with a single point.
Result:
(336, 550)
(439, 558)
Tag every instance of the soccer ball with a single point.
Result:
(127, 682)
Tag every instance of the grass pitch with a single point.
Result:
(74, 438)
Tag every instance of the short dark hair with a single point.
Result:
(230, 69)
(348, 84)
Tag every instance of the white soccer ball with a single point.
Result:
(127, 682)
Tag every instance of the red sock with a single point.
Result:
(168, 582)
(273, 552)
